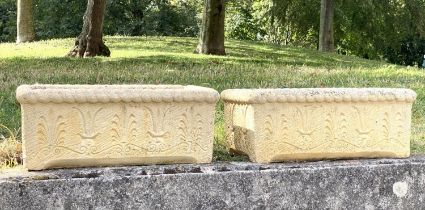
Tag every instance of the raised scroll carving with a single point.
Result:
(105, 130)
(303, 124)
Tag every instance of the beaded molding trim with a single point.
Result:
(29, 94)
(314, 95)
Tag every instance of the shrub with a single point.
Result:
(10, 150)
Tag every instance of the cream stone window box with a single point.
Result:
(272, 125)
(103, 125)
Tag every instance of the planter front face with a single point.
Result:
(306, 124)
(78, 126)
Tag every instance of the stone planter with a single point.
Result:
(102, 125)
(272, 125)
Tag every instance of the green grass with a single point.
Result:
(158, 60)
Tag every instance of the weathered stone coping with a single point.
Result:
(349, 184)
(314, 95)
(28, 94)
(212, 168)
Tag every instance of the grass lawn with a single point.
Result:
(170, 60)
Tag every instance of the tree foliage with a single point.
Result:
(393, 30)
(8, 14)
(375, 29)
(240, 23)
(152, 17)
(60, 19)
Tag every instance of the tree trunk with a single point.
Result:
(90, 41)
(326, 36)
(25, 21)
(212, 34)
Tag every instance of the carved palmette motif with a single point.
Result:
(191, 132)
(320, 123)
(325, 128)
(334, 126)
(50, 131)
(124, 130)
(105, 125)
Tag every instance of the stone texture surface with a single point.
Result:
(353, 184)
(104, 125)
(272, 125)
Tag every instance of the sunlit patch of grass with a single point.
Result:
(170, 60)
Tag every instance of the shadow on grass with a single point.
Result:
(154, 45)
(169, 51)
(234, 58)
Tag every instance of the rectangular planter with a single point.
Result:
(272, 125)
(103, 125)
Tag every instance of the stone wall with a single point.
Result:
(350, 184)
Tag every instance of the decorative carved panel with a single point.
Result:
(73, 126)
(305, 124)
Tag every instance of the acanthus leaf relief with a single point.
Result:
(190, 131)
(145, 131)
(115, 146)
(342, 131)
(276, 132)
(89, 123)
(284, 132)
(72, 126)
(132, 147)
(393, 131)
(386, 128)
(269, 135)
(401, 129)
(156, 129)
(92, 125)
(115, 131)
(303, 124)
(124, 134)
(330, 130)
(364, 130)
(306, 128)
(50, 136)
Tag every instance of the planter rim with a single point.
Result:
(314, 95)
(45, 93)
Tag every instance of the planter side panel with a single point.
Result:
(240, 128)
(308, 131)
(100, 134)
